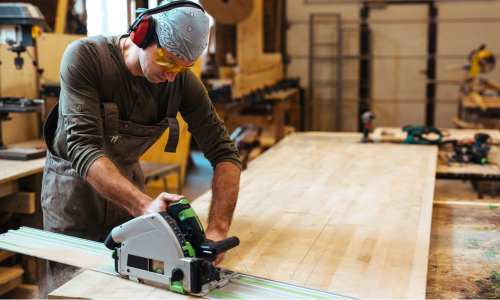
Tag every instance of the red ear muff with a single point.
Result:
(143, 33)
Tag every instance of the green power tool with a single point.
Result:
(366, 119)
(415, 133)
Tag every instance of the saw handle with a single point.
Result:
(211, 249)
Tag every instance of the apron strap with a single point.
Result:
(110, 118)
(50, 126)
(108, 107)
(107, 68)
(172, 109)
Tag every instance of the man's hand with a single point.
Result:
(216, 236)
(161, 203)
(105, 177)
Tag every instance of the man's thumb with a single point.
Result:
(171, 197)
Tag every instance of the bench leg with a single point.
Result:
(180, 181)
(165, 185)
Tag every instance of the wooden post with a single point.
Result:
(279, 118)
(62, 11)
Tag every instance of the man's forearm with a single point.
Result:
(225, 188)
(105, 177)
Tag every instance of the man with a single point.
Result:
(92, 180)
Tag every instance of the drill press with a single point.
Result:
(18, 30)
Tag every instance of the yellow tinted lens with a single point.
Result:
(167, 64)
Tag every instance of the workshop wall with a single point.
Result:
(399, 47)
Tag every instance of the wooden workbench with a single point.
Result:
(284, 109)
(397, 135)
(470, 171)
(444, 170)
(326, 212)
(14, 169)
(20, 192)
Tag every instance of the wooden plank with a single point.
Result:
(324, 211)
(8, 188)
(21, 202)
(10, 278)
(23, 291)
(85, 286)
(250, 136)
(396, 134)
(266, 138)
(464, 204)
(282, 95)
(4, 254)
(468, 102)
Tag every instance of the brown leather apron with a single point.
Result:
(70, 204)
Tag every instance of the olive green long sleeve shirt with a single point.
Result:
(79, 135)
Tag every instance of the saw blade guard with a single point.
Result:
(153, 249)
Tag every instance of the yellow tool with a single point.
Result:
(481, 61)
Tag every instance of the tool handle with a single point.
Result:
(211, 249)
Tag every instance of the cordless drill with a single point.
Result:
(366, 119)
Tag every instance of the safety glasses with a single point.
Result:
(169, 65)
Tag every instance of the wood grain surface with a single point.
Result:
(326, 212)
(95, 285)
(323, 211)
(15, 169)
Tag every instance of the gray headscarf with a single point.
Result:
(183, 31)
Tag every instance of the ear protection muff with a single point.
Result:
(144, 32)
(144, 27)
